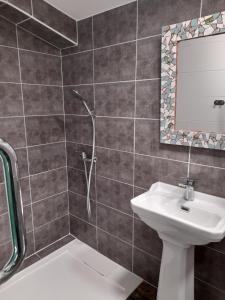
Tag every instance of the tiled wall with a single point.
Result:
(117, 68)
(32, 121)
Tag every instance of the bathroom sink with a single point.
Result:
(181, 225)
(195, 222)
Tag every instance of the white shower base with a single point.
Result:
(75, 271)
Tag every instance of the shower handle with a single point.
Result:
(14, 201)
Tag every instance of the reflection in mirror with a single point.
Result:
(200, 91)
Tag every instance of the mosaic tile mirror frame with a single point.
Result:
(171, 36)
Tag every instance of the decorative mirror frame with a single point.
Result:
(171, 35)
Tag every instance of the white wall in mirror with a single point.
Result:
(201, 81)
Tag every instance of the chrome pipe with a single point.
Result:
(14, 201)
(88, 175)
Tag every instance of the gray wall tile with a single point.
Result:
(47, 184)
(5, 229)
(46, 157)
(50, 209)
(77, 183)
(116, 100)
(153, 14)
(73, 105)
(208, 179)
(114, 194)
(210, 7)
(9, 65)
(115, 133)
(42, 130)
(10, 100)
(147, 239)
(42, 100)
(115, 165)
(79, 129)
(148, 99)
(78, 68)
(115, 249)
(28, 218)
(149, 170)
(83, 231)
(22, 162)
(25, 190)
(7, 33)
(149, 58)
(115, 222)
(208, 262)
(28, 41)
(40, 68)
(51, 232)
(12, 131)
(147, 133)
(74, 151)
(146, 266)
(23, 4)
(78, 208)
(208, 157)
(115, 63)
(116, 25)
(204, 291)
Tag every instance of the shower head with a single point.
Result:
(77, 94)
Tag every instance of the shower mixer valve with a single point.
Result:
(85, 158)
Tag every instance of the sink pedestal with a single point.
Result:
(177, 271)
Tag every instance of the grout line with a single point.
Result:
(32, 84)
(82, 84)
(113, 45)
(115, 180)
(30, 116)
(40, 145)
(189, 162)
(113, 117)
(21, 22)
(201, 5)
(95, 167)
(52, 221)
(112, 82)
(46, 198)
(83, 220)
(129, 152)
(48, 171)
(25, 133)
(49, 245)
(134, 133)
(116, 210)
(64, 119)
(210, 285)
(147, 253)
(38, 52)
(29, 50)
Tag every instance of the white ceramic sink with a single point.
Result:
(199, 222)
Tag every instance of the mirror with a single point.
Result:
(200, 99)
(193, 83)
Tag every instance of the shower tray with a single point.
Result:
(75, 271)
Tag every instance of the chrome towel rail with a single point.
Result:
(14, 200)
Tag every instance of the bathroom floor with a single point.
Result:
(143, 292)
(74, 268)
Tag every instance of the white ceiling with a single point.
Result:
(81, 9)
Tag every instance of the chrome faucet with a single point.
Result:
(188, 185)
